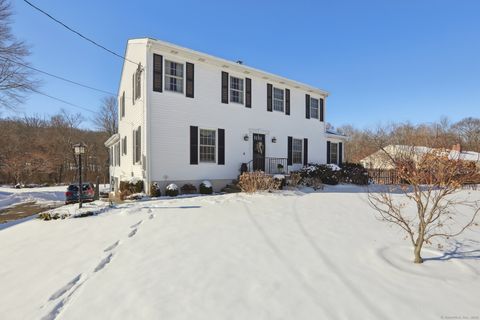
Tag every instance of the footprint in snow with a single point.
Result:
(111, 247)
(132, 233)
(151, 216)
(104, 262)
(60, 292)
(136, 224)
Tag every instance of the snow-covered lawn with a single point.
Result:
(288, 255)
(10, 196)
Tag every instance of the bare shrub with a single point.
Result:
(294, 179)
(430, 182)
(313, 182)
(251, 182)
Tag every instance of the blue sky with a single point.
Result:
(382, 61)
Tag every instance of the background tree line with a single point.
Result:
(440, 134)
(40, 150)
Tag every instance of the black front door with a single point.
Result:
(258, 152)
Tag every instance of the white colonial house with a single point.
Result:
(186, 116)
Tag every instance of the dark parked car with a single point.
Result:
(88, 193)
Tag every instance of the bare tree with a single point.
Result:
(107, 118)
(15, 78)
(468, 130)
(430, 182)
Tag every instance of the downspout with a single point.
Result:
(147, 120)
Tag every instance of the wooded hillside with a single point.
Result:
(38, 150)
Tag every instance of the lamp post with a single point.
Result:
(79, 149)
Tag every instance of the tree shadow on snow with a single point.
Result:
(458, 252)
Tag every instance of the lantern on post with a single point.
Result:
(79, 149)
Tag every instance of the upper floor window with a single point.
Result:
(207, 145)
(137, 84)
(297, 147)
(314, 108)
(278, 99)
(173, 76)
(236, 90)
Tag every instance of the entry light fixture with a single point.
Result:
(245, 137)
(274, 140)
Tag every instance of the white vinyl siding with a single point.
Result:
(174, 76)
(278, 100)
(297, 147)
(207, 145)
(236, 90)
(314, 108)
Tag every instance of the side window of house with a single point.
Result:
(334, 153)
(122, 105)
(173, 76)
(314, 108)
(278, 99)
(207, 145)
(236, 90)
(136, 84)
(138, 144)
(297, 151)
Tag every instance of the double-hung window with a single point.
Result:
(236, 90)
(314, 108)
(173, 76)
(207, 145)
(334, 153)
(278, 99)
(297, 147)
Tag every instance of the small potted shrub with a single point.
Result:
(280, 168)
(171, 190)
(206, 187)
(188, 188)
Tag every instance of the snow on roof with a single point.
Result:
(452, 154)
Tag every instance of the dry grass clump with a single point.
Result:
(251, 182)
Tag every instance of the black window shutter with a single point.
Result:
(269, 96)
(289, 151)
(307, 106)
(321, 109)
(248, 92)
(340, 153)
(224, 87)
(157, 73)
(305, 151)
(287, 101)
(328, 152)
(193, 145)
(134, 138)
(133, 88)
(221, 146)
(122, 104)
(190, 84)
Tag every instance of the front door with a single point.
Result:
(258, 152)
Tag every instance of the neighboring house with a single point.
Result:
(185, 116)
(382, 159)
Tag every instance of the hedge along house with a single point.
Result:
(185, 117)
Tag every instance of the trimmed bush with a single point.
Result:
(281, 179)
(206, 187)
(188, 188)
(319, 173)
(133, 186)
(155, 190)
(257, 181)
(171, 190)
(353, 173)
